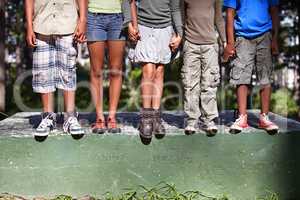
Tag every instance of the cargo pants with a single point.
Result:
(201, 77)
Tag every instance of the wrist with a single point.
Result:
(82, 20)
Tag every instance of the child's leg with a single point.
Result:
(264, 70)
(66, 54)
(147, 84)
(264, 74)
(43, 81)
(265, 95)
(242, 93)
(242, 69)
(158, 87)
(47, 102)
(116, 52)
(158, 127)
(69, 101)
(210, 78)
(96, 51)
(191, 73)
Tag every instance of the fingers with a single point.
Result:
(275, 50)
(31, 40)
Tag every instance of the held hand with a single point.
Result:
(175, 42)
(133, 33)
(229, 52)
(80, 32)
(31, 38)
(274, 47)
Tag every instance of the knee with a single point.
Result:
(96, 73)
(159, 73)
(115, 72)
(148, 74)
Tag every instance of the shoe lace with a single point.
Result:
(266, 119)
(71, 121)
(239, 119)
(46, 122)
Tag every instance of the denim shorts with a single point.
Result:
(104, 27)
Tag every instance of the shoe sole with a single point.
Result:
(270, 132)
(114, 130)
(188, 132)
(77, 133)
(159, 135)
(235, 131)
(98, 131)
(211, 133)
(145, 140)
(41, 134)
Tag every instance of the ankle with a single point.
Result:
(67, 115)
(51, 115)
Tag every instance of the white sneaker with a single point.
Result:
(239, 125)
(72, 126)
(47, 124)
(266, 124)
(210, 128)
(190, 130)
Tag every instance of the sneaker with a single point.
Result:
(72, 126)
(210, 128)
(190, 130)
(266, 124)
(239, 124)
(47, 124)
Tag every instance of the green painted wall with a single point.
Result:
(240, 166)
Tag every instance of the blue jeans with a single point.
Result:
(104, 27)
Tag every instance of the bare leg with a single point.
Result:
(265, 95)
(242, 92)
(47, 101)
(96, 50)
(116, 52)
(147, 84)
(158, 87)
(69, 101)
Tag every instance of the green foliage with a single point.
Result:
(282, 102)
(269, 196)
(162, 191)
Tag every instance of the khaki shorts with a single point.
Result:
(253, 56)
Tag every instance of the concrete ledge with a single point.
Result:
(241, 166)
(23, 124)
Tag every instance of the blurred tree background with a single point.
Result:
(15, 65)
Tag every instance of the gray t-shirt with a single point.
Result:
(202, 19)
(156, 13)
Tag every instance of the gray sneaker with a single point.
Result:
(72, 126)
(47, 124)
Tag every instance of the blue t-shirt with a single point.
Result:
(252, 16)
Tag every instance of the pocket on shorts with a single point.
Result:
(215, 76)
(71, 57)
(236, 71)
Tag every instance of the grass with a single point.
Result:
(162, 191)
